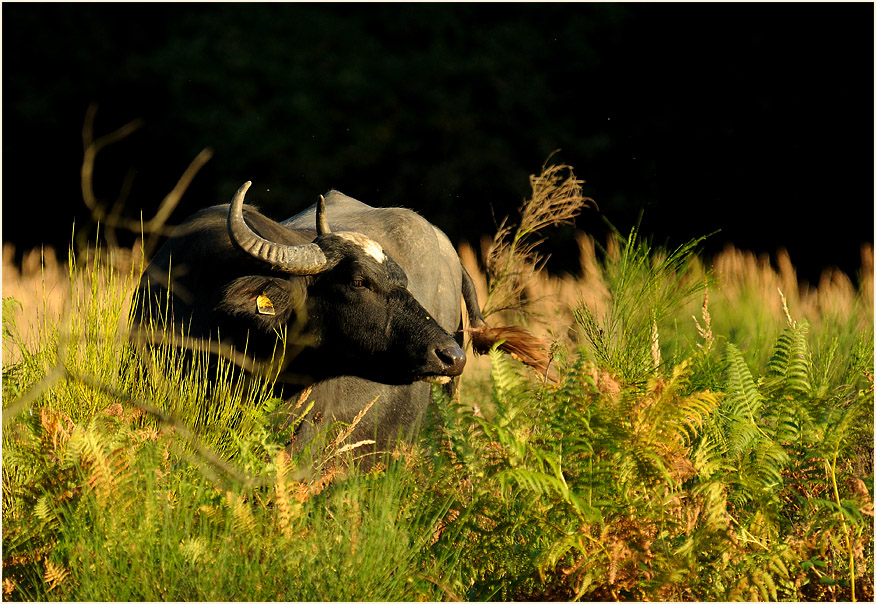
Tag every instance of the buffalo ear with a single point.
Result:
(267, 302)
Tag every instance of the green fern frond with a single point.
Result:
(45, 511)
(643, 465)
(741, 437)
(560, 549)
(790, 364)
(787, 422)
(714, 504)
(508, 383)
(673, 416)
(708, 455)
(764, 576)
(743, 398)
(697, 409)
(771, 459)
(531, 480)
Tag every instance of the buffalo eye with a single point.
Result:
(359, 284)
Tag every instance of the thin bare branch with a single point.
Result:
(91, 148)
(155, 225)
(112, 219)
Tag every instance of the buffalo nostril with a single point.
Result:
(452, 358)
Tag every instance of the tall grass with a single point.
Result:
(709, 437)
(115, 471)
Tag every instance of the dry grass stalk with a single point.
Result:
(787, 312)
(349, 430)
(355, 445)
(512, 264)
(867, 274)
(741, 273)
(705, 332)
(655, 345)
(41, 286)
(302, 398)
(511, 259)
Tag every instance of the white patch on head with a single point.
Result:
(368, 245)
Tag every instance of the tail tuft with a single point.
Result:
(516, 341)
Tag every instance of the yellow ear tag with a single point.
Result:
(264, 305)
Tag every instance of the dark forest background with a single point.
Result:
(755, 119)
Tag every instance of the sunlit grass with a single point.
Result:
(722, 449)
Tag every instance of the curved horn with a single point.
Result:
(322, 225)
(305, 259)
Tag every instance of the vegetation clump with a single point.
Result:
(705, 435)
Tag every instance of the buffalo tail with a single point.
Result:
(516, 341)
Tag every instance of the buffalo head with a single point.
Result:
(342, 302)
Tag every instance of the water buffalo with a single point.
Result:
(370, 300)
